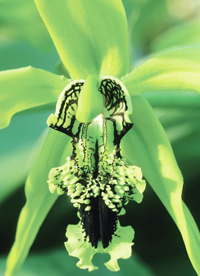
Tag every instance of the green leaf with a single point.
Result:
(17, 54)
(173, 99)
(19, 160)
(26, 88)
(183, 34)
(39, 200)
(58, 262)
(91, 37)
(20, 19)
(18, 154)
(176, 69)
(147, 146)
(148, 19)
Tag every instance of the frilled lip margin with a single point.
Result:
(120, 247)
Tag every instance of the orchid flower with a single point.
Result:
(103, 135)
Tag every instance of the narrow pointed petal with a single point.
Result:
(38, 199)
(147, 146)
(90, 36)
(26, 88)
(175, 69)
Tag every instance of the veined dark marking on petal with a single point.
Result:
(115, 102)
(113, 94)
(102, 180)
(118, 136)
(66, 112)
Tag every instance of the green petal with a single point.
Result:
(26, 88)
(38, 198)
(176, 69)
(90, 36)
(120, 247)
(147, 146)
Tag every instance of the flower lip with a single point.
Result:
(103, 182)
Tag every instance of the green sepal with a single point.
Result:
(171, 70)
(90, 101)
(120, 247)
(38, 198)
(91, 37)
(26, 88)
(147, 146)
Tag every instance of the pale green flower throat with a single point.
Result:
(97, 179)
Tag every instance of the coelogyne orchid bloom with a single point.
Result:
(113, 131)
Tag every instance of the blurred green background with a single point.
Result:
(154, 25)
